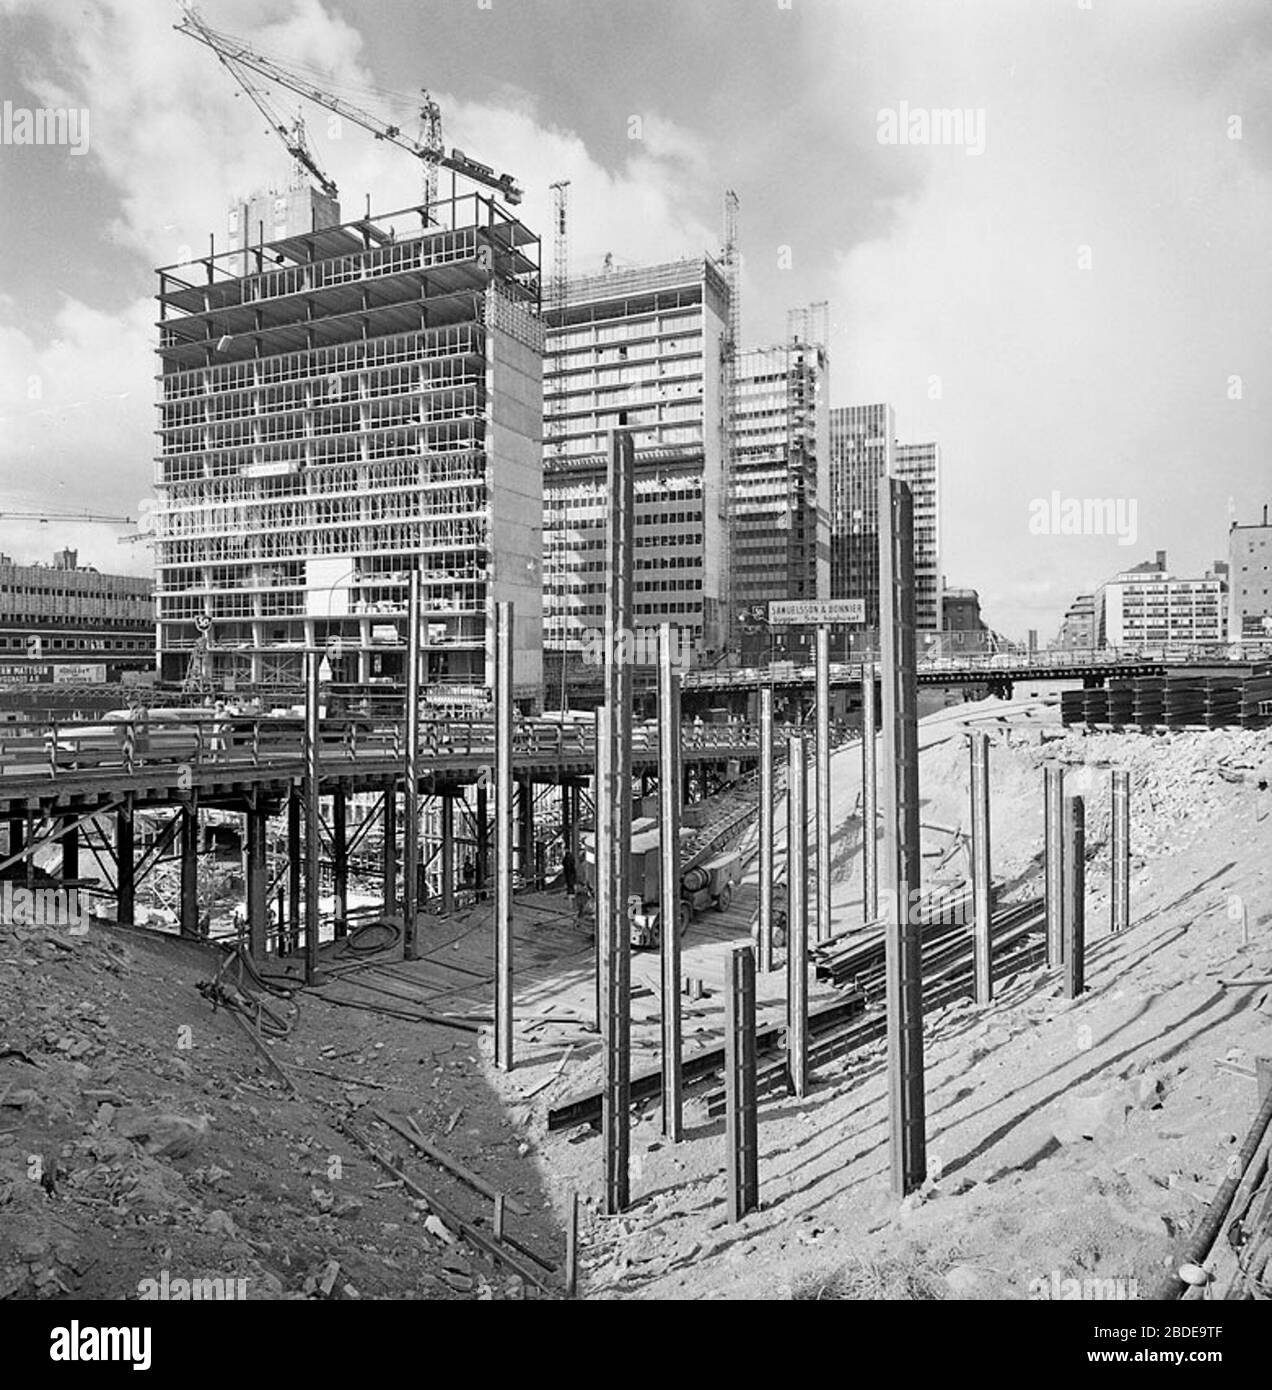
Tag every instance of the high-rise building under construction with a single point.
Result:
(639, 349)
(337, 407)
(780, 525)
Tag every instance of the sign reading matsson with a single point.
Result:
(829, 610)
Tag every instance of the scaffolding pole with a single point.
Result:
(1120, 898)
(900, 862)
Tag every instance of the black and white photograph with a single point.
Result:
(635, 665)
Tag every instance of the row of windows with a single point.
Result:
(80, 644)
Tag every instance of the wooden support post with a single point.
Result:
(741, 1125)
(125, 868)
(340, 861)
(899, 869)
(1120, 896)
(822, 781)
(982, 881)
(256, 875)
(766, 829)
(796, 916)
(388, 850)
(70, 847)
(503, 835)
(1074, 897)
(295, 850)
(448, 851)
(669, 882)
(869, 799)
(1053, 807)
(482, 857)
(190, 867)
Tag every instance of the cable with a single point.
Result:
(353, 940)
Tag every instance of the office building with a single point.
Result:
(337, 408)
(1250, 581)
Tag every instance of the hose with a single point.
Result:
(1200, 1242)
(356, 947)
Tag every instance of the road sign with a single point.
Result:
(832, 610)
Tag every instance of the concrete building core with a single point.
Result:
(638, 349)
(337, 407)
(780, 546)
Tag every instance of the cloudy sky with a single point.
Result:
(1080, 308)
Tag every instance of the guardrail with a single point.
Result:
(248, 742)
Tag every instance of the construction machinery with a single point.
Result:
(710, 870)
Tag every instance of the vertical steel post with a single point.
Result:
(869, 802)
(796, 916)
(740, 1122)
(669, 881)
(313, 862)
(615, 808)
(257, 881)
(125, 871)
(503, 835)
(294, 850)
(411, 789)
(572, 1246)
(1074, 897)
(982, 881)
(340, 861)
(602, 887)
(190, 866)
(822, 785)
(389, 849)
(899, 869)
(766, 829)
(448, 850)
(1053, 806)
(1121, 850)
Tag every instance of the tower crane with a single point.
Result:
(235, 54)
(44, 517)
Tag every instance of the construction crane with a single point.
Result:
(293, 135)
(44, 517)
(235, 54)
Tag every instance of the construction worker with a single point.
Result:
(569, 873)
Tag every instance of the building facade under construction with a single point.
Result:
(337, 407)
(780, 523)
(639, 349)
